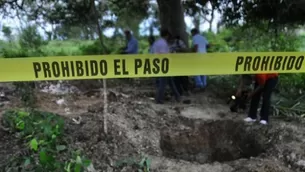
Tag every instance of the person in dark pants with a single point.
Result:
(264, 86)
(162, 82)
(181, 82)
(161, 46)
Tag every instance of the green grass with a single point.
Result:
(70, 47)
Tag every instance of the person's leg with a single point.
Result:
(204, 80)
(173, 88)
(177, 81)
(252, 115)
(161, 89)
(198, 82)
(157, 82)
(185, 84)
(267, 93)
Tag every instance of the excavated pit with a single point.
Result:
(214, 141)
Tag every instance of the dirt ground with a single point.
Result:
(202, 136)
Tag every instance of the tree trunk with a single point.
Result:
(172, 18)
(196, 21)
(212, 18)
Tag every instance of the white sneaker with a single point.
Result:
(248, 119)
(263, 122)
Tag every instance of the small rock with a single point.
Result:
(91, 168)
(301, 163)
(67, 110)
(3, 98)
(60, 101)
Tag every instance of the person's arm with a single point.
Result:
(261, 80)
(195, 44)
(181, 45)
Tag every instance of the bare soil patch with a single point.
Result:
(201, 136)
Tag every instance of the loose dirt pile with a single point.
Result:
(201, 136)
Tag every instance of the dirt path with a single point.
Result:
(201, 136)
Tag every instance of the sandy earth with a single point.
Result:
(199, 137)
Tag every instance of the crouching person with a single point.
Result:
(161, 46)
(264, 86)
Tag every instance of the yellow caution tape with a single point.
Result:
(148, 65)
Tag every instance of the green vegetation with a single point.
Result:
(43, 136)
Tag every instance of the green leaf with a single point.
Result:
(77, 168)
(87, 162)
(53, 136)
(22, 114)
(20, 125)
(27, 162)
(78, 160)
(147, 164)
(68, 167)
(44, 158)
(60, 147)
(34, 144)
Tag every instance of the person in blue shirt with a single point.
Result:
(132, 43)
(200, 45)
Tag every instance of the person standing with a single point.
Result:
(182, 82)
(161, 46)
(200, 45)
(132, 43)
(264, 86)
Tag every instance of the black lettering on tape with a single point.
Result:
(156, 63)
(137, 66)
(284, 63)
(290, 63)
(239, 61)
(124, 67)
(256, 63)
(165, 65)
(72, 68)
(79, 68)
(87, 68)
(46, 69)
(277, 64)
(147, 68)
(299, 63)
(103, 67)
(37, 68)
(117, 67)
(55, 69)
(264, 64)
(93, 68)
(271, 63)
(247, 66)
(65, 69)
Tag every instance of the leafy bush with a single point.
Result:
(92, 49)
(29, 38)
(43, 135)
(14, 53)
